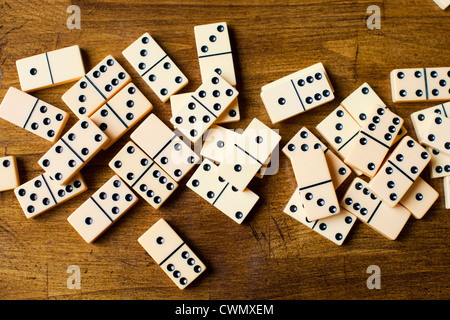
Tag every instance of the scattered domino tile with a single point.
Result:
(437, 134)
(155, 67)
(373, 141)
(419, 198)
(165, 147)
(73, 151)
(44, 193)
(305, 140)
(439, 164)
(203, 107)
(214, 51)
(33, 114)
(420, 118)
(9, 173)
(339, 129)
(420, 84)
(335, 228)
(255, 145)
(443, 4)
(121, 113)
(219, 143)
(363, 102)
(297, 93)
(102, 209)
(399, 171)
(50, 69)
(96, 87)
(143, 175)
(367, 207)
(447, 191)
(315, 186)
(207, 183)
(172, 254)
(231, 114)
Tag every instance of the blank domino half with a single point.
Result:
(315, 185)
(9, 173)
(334, 228)
(33, 114)
(172, 254)
(297, 93)
(96, 87)
(443, 4)
(155, 67)
(102, 209)
(50, 69)
(367, 207)
(420, 84)
(44, 193)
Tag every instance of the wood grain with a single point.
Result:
(269, 256)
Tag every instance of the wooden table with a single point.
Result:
(269, 256)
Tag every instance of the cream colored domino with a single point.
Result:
(214, 51)
(121, 113)
(203, 107)
(255, 145)
(446, 181)
(399, 171)
(73, 151)
(157, 69)
(315, 186)
(367, 207)
(439, 164)
(102, 209)
(50, 69)
(420, 118)
(219, 143)
(339, 129)
(362, 103)
(165, 147)
(420, 84)
(334, 228)
(33, 114)
(297, 93)
(443, 4)
(143, 175)
(419, 198)
(373, 141)
(305, 140)
(44, 193)
(437, 134)
(172, 254)
(231, 114)
(9, 173)
(207, 183)
(96, 87)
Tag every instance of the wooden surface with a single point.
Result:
(269, 256)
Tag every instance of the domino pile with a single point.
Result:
(362, 132)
